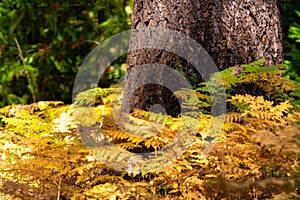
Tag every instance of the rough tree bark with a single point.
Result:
(232, 32)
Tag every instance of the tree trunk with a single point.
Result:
(232, 32)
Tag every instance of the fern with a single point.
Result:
(250, 73)
(92, 96)
(256, 113)
(258, 107)
(27, 125)
(268, 79)
(230, 127)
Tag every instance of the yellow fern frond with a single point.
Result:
(234, 117)
(232, 126)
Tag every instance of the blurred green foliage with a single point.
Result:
(53, 37)
(291, 30)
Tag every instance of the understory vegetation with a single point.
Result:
(254, 156)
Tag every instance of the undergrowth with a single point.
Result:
(255, 155)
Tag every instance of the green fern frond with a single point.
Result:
(268, 78)
(92, 96)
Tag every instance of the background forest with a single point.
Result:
(42, 45)
(53, 38)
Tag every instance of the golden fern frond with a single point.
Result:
(261, 124)
(138, 121)
(235, 117)
(258, 107)
(232, 127)
(107, 179)
(129, 145)
(27, 125)
(164, 137)
(116, 135)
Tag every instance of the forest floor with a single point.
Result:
(37, 163)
